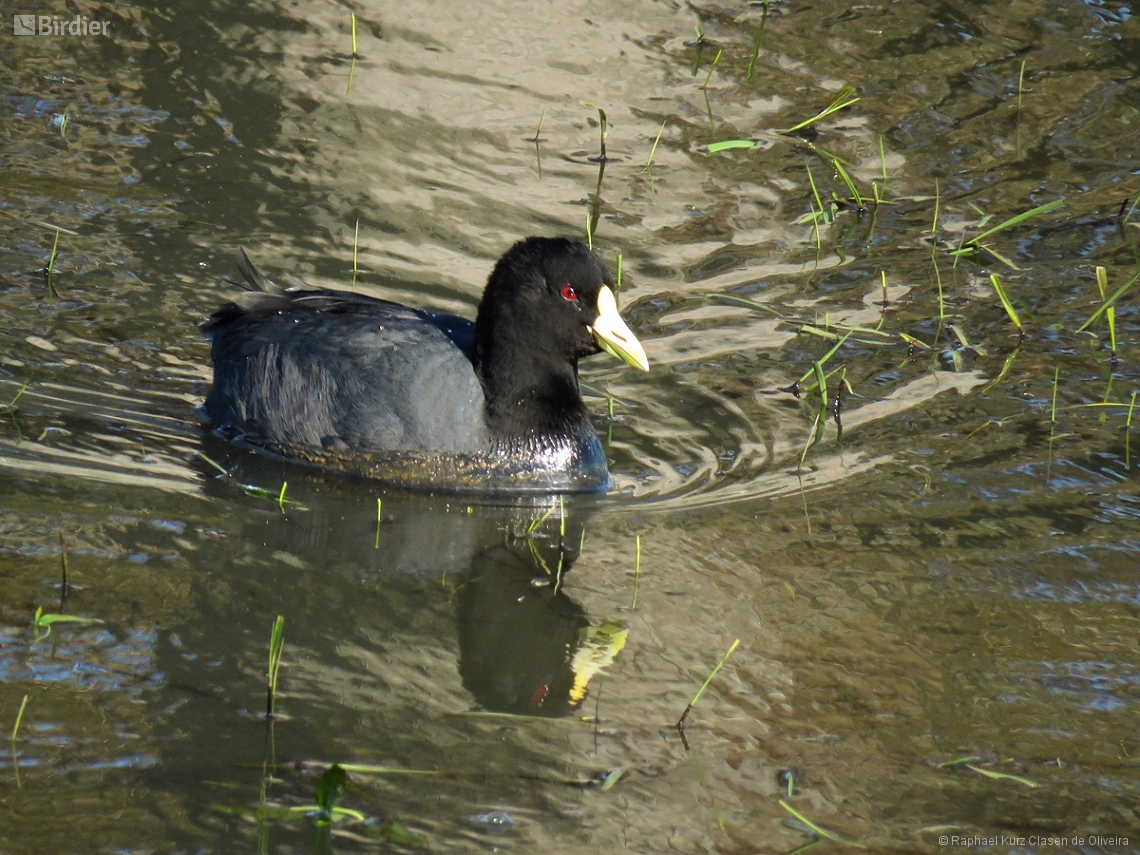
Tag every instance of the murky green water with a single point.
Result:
(953, 576)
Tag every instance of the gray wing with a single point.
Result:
(346, 372)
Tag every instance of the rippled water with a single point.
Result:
(951, 576)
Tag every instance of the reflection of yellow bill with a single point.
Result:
(598, 646)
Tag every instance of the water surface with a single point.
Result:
(953, 575)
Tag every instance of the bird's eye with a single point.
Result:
(569, 292)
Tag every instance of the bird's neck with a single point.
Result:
(527, 396)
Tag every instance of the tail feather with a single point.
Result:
(257, 282)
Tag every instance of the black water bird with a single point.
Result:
(426, 399)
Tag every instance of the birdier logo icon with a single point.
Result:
(24, 25)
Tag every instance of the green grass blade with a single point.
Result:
(724, 145)
(1020, 218)
(847, 180)
(1108, 303)
(1000, 776)
(1009, 310)
(756, 44)
(819, 831)
(653, 150)
(840, 101)
(19, 718)
(715, 671)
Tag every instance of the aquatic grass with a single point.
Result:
(818, 364)
(789, 779)
(252, 490)
(1020, 88)
(968, 762)
(351, 75)
(974, 243)
(50, 269)
(617, 280)
(63, 565)
(995, 281)
(1110, 312)
(636, 572)
(698, 45)
(828, 215)
(603, 131)
(743, 301)
(883, 161)
(1128, 431)
(934, 256)
(1004, 371)
(276, 647)
(355, 52)
(42, 623)
(756, 44)
(538, 132)
(612, 777)
(712, 68)
(653, 148)
(681, 721)
(1107, 304)
(19, 718)
(819, 831)
(379, 509)
(725, 145)
(842, 100)
(846, 179)
(589, 230)
(11, 405)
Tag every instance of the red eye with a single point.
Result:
(569, 292)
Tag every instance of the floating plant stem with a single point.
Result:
(51, 266)
(1110, 312)
(818, 830)
(379, 509)
(705, 685)
(604, 128)
(756, 44)
(636, 573)
(850, 184)
(712, 68)
(653, 149)
(537, 133)
(19, 718)
(1128, 432)
(276, 646)
(841, 100)
(281, 496)
(1020, 87)
(355, 52)
(724, 145)
(1053, 407)
(1107, 304)
(973, 243)
(617, 281)
(995, 280)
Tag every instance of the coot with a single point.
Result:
(426, 399)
